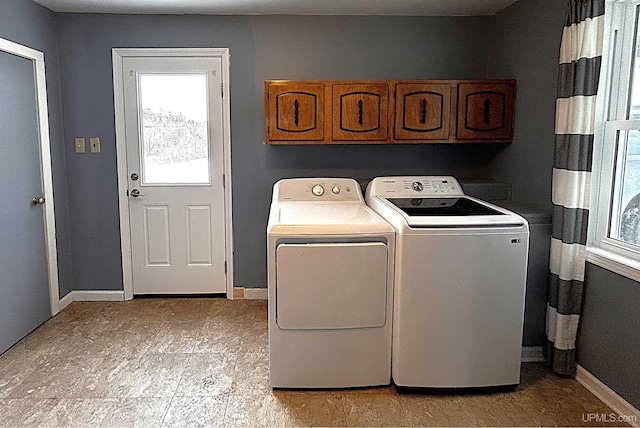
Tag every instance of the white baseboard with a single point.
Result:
(256, 293)
(608, 396)
(532, 354)
(91, 296)
(66, 300)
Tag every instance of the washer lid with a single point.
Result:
(452, 212)
(442, 207)
(314, 218)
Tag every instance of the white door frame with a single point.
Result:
(118, 54)
(45, 163)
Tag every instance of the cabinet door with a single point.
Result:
(485, 111)
(360, 111)
(422, 111)
(295, 111)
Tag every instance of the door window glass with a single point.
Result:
(173, 110)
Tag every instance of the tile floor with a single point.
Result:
(204, 362)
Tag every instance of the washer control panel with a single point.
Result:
(318, 189)
(426, 186)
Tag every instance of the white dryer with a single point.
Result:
(460, 269)
(330, 274)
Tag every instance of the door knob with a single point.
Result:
(135, 193)
(38, 201)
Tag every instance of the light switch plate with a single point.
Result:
(94, 143)
(80, 148)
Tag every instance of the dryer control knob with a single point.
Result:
(318, 190)
(417, 186)
(335, 189)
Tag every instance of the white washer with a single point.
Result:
(461, 267)
(330, 273)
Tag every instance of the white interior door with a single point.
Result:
(174, 138)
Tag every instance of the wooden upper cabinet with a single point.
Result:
(388, 111)
(294, 111)
(422, 111)
(360, 111)
(485, 111)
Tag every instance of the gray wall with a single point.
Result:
(609, 336)
(262, 47)
(524, 45)
(32, 25)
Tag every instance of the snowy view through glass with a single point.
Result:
(174, 128)
(628, 179)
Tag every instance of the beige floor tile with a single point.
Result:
(24, 412)
(74, 412)
(464, 410)
(255, 410)
(204, 362)
(370, 409)
(15, 366)
(59, 377)
(216, 338)
(206, 411)
(251, 374)
(207, 374)
(312, 408)
(254, 337)
(157, 375)
(137, 412)
(435, 410)
(176, 338)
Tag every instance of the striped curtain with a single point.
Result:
(579, 70)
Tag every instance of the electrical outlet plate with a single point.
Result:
(80, 147)
(94, 143)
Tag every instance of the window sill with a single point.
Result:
(614, 262)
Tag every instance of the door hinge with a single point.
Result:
(225, 268)
(222, 90)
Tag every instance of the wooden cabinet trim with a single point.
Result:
(296, 111)
(485, 122)
(487, 108)
(289, 117)
(360, 111)
(416, 117)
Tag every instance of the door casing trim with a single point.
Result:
(118, 55)
(46, 174)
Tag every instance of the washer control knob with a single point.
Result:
(335, 190)
(318, 190)
(417, 186)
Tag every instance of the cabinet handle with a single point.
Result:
(360, 112)
(296, 108)
(487, 111)
(423, 111)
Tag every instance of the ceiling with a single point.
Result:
(283, 7)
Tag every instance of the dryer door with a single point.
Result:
(331, 285)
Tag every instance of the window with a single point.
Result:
(615, 217)
(174, 128)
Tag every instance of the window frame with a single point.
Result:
(612, 107)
